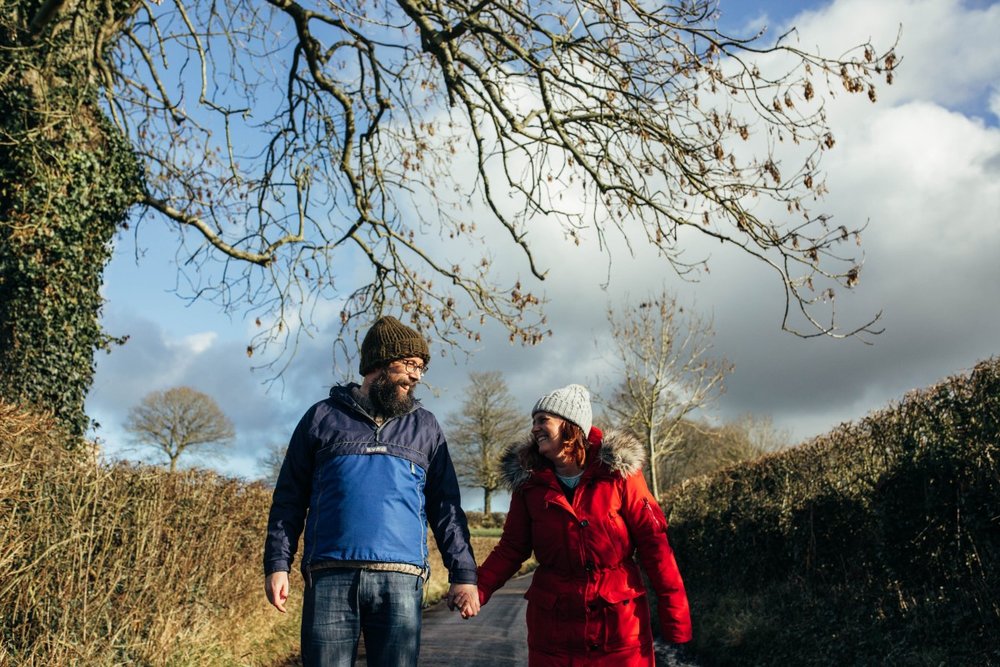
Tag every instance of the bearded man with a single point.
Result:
(366, 470)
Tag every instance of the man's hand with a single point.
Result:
(276, 589)
(464, 597)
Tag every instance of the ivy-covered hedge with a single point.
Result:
(68, 179)
(878, 543)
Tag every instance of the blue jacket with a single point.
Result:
(366, 492)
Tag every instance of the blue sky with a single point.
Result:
(922, 165)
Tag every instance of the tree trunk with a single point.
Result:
(67, 180)
(487, 498)
(654, 484)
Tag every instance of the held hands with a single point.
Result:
(276, 589)
(464, 597)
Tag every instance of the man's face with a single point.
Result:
(393, 387)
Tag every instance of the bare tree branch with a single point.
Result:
(300, 137)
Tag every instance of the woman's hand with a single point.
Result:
(464, 597)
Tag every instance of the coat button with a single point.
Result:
(593, 647)
(584, 523)
(589, 566)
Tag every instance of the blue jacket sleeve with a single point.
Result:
(290, 500)
(446, 518)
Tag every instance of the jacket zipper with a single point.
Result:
(652, 515)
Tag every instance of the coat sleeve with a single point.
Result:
(510, 552)
(446, 518)
(648, 527)
(290, 500)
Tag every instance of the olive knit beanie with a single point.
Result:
(388, 340)
(572, 403)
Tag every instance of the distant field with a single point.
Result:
(486, 532)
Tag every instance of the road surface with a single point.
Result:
(496, 637)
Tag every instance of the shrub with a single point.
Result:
(111, 564)
(878, 541)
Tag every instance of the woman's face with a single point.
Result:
(545, 431)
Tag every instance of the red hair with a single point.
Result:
(574, 440)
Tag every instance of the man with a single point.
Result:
(366, 470)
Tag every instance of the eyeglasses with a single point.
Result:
(412, 367)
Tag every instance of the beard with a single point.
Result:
(385, 396)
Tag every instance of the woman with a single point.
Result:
(582, 505)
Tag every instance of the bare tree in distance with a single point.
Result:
(666, 369)
(704, 447)
(487, 423)
(304, 153)
(760, 435)
(177, 421)
(270, 463)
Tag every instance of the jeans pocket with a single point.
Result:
(331, 599)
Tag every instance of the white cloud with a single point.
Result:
(197, 343)
(926, 179)
(948, 48)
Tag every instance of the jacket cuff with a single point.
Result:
(277, 566)
(673, 634)
(462, 577)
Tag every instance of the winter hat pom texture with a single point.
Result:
(388, 340)
(571, 402)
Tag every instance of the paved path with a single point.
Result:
(496, 637)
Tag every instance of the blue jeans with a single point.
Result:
(341, 604)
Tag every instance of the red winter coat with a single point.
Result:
(587, 603)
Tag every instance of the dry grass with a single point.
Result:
(105, 565)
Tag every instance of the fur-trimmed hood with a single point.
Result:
(619, 451)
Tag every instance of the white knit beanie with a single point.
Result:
(572, 403)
